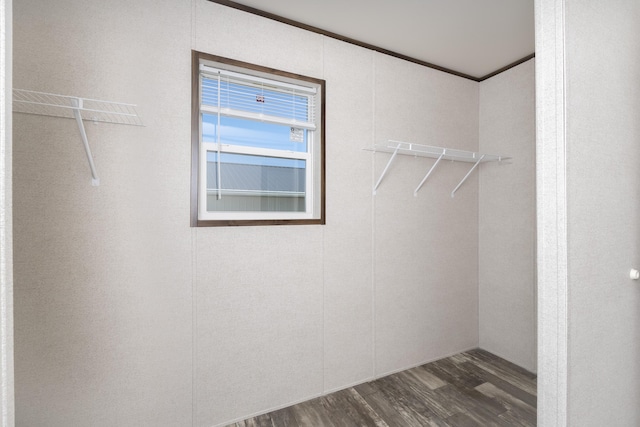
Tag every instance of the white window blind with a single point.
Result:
(239, 95)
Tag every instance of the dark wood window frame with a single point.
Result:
(196, 59)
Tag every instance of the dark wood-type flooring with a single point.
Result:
(475, 388)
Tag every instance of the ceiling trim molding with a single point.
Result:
(378, 49)
(506, 67)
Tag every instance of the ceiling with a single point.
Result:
(470, 37)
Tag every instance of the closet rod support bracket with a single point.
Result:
(386, 168)
(415, 192)
(77, 106)
(475, 165)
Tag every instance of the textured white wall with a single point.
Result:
(7, 416)
(103, 298)
(127, 316)
(603, 184)
(425, 247)
(507, 217)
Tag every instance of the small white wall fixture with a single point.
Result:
(71, 107)
(439, 153)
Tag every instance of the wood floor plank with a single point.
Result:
(453, 373)
(263, 421)
(505, 372)
(338, 411)
(351, 411)
(461, 419)
(410, 398)
(425, 377)
(498, 361)
(482, 409)
(492, 359)
(365, 388)
(362, 405)
(430, 398)
(406, 401)
(284, 418)
(312, 413)
(386, 410)
(512, 420)
(506, 399)
(470, 389)
(507, 387)
(516, 407)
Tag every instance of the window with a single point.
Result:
(257, 145)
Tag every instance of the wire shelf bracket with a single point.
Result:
(438, 153)
(386, 169)
(71, 107)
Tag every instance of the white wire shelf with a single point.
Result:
(71, 107)
(49, 104)
(439, 153)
